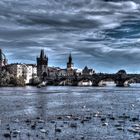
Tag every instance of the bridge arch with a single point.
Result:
(84, 81)
(107, 82)
(129, 82)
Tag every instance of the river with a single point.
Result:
(70, 113)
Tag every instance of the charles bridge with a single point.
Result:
(87, 77)
(121, 79)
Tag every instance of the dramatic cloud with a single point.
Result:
(103, 34)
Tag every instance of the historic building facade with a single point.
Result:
(62, 72)
(27, 71)
(43, 72)
(86, 71)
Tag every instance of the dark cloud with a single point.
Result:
(99, 33)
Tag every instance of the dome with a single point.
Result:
(121, 72)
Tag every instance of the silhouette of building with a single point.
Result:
(62, 72)
(122, 72)
(70, 66)
(42, 64)
(53, 72)
(86, 71)
(3, 60)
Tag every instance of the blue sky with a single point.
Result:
(102, 35)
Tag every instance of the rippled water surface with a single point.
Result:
(78, 112)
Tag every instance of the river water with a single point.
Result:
(70, 113)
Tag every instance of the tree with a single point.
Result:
(7, 79)
(17, 81)
(36, 81)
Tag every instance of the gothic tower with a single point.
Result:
(42, 64)
(70, 63)
(3, 60)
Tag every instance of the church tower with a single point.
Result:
(70, 63)
(42, 64)
(3, 60)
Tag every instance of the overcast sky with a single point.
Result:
(104, 35)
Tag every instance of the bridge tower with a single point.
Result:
(42, 64)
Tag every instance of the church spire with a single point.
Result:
(0, 55)
(42, 53)
(70, 59)
(70, 63)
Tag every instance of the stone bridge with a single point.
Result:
(121, 79)
(99, 79)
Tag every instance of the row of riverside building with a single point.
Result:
(41, 69)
